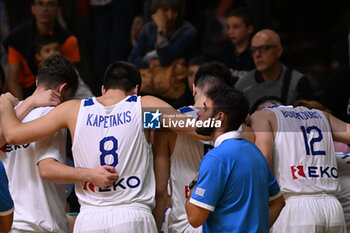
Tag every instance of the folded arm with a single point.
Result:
(54, 171)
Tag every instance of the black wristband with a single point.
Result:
(192, 184)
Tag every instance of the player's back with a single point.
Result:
(39, 204)
(303, 156)
(114, 136)
(184, 163)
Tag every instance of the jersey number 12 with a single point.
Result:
(310, 146)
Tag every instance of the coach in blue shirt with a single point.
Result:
(6, 203)
(235, 190)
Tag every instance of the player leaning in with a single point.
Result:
(106, 130)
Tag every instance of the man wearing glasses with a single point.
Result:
(271, 77)
(19, 45)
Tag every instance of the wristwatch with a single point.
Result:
(161, 33)
(192, 184)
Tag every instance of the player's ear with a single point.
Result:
(61, 87)
(194, 90)
(220, 116)
(103, 90)
(135, 91)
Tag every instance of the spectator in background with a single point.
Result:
(193, 67)
(271, 77)
(237, 54)
(165, 38)
(19, 44)
(214, 29)
(112, 20)
(46, 46)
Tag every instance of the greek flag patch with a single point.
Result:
(200, 191)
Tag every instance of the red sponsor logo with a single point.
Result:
(297, 172)
(89, 185)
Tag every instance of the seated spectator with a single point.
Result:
(271, 77)
(193, 67)
(214, 28)
(19, 44)
(46, 46)
(237, 54)
(165, 38)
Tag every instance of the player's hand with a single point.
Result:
(160, 19)
(46, 98)
(9, 99)
(104, 176)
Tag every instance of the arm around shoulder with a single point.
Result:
(15, 132)
(340, 130)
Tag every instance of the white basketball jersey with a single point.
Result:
(343, 162)
(303, 156)
(184, 163)
(114, 136)
(39, 204)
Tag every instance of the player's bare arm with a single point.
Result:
(275, 207)
(47, 98)
(263, 131)
(54, 171)
(63, 116)
(196, 215)
(6, 222)
(340, 129)
(162, 153)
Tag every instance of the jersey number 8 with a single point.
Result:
(112, 152)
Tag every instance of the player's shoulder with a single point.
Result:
(264, 114)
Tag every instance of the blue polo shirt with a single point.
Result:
(235, 184)
(6, 203)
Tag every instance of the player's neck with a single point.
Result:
(112, 97)
(199, 100)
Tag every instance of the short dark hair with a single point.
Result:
(215, 73)
(242, 13)
(56, 70)
(175, 5)
(232, 103)
(122, 75)
(44, 40)
(198, 60)
(264, 99)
